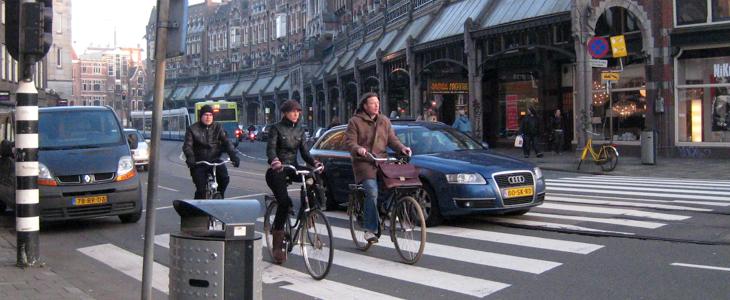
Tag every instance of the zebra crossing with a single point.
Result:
(593, 204)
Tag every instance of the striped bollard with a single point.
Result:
(27, 208)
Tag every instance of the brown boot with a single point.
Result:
(278, 251)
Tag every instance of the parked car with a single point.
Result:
(86, 167)
(141, 155)
(460, 175)
(263, 134)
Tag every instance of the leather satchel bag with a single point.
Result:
(399, 175)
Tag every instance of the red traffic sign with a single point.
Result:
(598, 47)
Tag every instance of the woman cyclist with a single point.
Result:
(285, 138)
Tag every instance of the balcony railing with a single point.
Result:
(376, 23)
(398, 10)
(420, 3)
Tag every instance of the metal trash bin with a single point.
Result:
(648, 147)
(211, 263)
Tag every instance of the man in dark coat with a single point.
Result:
(530, 130)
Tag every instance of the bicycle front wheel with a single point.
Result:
(408, 229)
(609, 157)
(269, 224)
(316, 242)
(355, 212)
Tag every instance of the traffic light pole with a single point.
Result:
(27, 207)
(163, 7)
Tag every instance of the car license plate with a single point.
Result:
(90, 200)
(523, 191)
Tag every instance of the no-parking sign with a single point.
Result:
(598, 47)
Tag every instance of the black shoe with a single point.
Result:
(539, 155)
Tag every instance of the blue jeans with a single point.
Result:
(370, 222)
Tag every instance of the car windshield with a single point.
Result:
(78, 129)
(423, 140)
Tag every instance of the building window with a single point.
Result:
(2, 61)
(703, 96)
(58, 58)
(59, 24)
(693, 12)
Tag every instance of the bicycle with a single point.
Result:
(606, 157)
(315, 239)
(401, 210)
(211, 191)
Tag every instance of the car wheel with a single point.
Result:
(517, 212)
(331, 203)
(431, 211)
(131, 218)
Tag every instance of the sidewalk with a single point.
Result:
(31, 283)
(710, 169)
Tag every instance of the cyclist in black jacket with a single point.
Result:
(206, 141)
(286, 138)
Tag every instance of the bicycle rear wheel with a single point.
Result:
(609, 157)
(268, 225)
(316, 243)
(408, 229)
(355, 212)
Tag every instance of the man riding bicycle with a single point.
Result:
(370, 131)
(286, 138)
(206, 140)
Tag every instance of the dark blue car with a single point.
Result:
(460, 175)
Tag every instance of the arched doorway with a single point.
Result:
(252, 111)
(399, 92)
(334, 96)
(350, 99)
(447, 90)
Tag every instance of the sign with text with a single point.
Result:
(611, 76)
(599, 63)
(618, 46)
(512, 112)
(449, 87)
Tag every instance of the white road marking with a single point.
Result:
(596, 190)
(579, 199)
(706, 203)
(128, 263)
(641, 183)
(701, 267)
(168, 189)
(551, 225)
(622, 222)
(504, 238)
(638, 188)
(615, 211)
(522, 264)
(659, 179)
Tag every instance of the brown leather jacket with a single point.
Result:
(373, 135)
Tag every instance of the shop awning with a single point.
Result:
(168, 92)
(222, 89)
(516, 10)
(345, 59)
(385, 41)
(182, 92)
(413, 29)
(275, 83)
(450, 21)
(259, 85)
(241, 88)
(201, 93)
(330, 67)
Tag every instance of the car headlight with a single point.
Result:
(125, 168)
(45, 177)
(465, 178)
(538, 173)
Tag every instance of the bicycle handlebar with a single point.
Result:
(304, 172)
(593, 133)
(202, 162)
(386, 159)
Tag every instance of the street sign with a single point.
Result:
(599, 63)
(598, 47)
(611, 76)
(618, 46)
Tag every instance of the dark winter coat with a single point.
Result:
(285, 138)
(207, 143)
(530, 126)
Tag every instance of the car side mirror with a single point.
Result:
(133, 141)
(6, 149)
(485, 145)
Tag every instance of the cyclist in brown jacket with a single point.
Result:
(370, 131)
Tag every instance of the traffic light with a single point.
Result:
(36, 19)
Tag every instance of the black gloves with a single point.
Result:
(190, 163)
(236, 161)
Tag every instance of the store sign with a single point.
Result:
(512, 112)
(449, 87)
(721, 70)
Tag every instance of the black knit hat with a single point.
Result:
(290, 105)
(205, 109)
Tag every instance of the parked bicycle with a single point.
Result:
(310, 229)
(401, 215)
(606, 156)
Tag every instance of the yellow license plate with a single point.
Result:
(518, 192)
(90, 200)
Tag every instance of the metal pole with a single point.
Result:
(27, 208)
(163, 7)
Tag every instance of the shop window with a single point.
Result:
(720, 10)
(703, 96)
(691, 12)
(619, 110)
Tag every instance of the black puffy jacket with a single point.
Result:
(285, 138)
(207, 143)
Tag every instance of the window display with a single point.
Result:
(620, 118)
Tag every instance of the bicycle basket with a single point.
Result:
(398, 175)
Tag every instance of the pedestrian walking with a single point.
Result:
(530, 131)
(558, 131)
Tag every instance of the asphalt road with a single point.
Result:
(595, 237)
